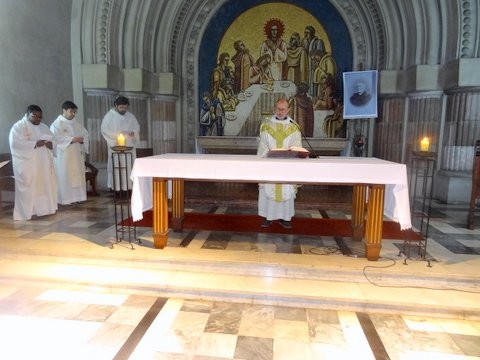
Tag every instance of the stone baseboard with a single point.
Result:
(453, 187)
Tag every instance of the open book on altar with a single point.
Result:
(292, 152)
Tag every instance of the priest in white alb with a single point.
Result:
(119, 121)
(72, 145)
(277, 201)
(32, 146)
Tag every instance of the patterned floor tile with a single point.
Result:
(102, 324)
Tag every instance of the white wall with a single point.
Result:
(35, 61)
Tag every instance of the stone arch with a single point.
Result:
(470, 24)
(136, 34)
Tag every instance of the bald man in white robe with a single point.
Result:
(277, 201)
(32, 146)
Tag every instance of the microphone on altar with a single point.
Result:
(313, 154)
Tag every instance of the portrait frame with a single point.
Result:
(360, 94)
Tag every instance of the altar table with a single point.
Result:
(380, 187)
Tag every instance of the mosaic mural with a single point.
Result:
(266, 52)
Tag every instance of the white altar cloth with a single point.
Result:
(252, 168)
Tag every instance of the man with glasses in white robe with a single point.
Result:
(277, 201)
(32, 147)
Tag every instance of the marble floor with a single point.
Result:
(68, 289)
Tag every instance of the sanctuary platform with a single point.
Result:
(229, 295)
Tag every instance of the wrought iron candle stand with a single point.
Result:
(421, 189)
(122, 161)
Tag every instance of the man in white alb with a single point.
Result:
(120, 121)
(277, 201)
(72, 145)
(32, 146)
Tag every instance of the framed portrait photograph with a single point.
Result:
(360, 94)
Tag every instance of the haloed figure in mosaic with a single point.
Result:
(277, 201)
(32, 147)
(275, 46)
(72, 145)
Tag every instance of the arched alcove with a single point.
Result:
(362, 51)
(124, 40)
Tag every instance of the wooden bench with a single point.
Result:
(91, 173)
(7, 181)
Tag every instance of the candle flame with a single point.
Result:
(121, 140)
(424, 144)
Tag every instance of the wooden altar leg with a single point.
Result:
(160, 213)
(374, 223)
(358, 211)
(178, 204)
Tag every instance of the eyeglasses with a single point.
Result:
(36, 116)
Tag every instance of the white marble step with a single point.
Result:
(333, 282)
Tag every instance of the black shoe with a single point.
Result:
(286, 224)
(266, 223)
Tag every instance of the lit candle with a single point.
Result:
(424, 144)
(121, 140)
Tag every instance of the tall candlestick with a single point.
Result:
(424, 144)
(121, 140)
